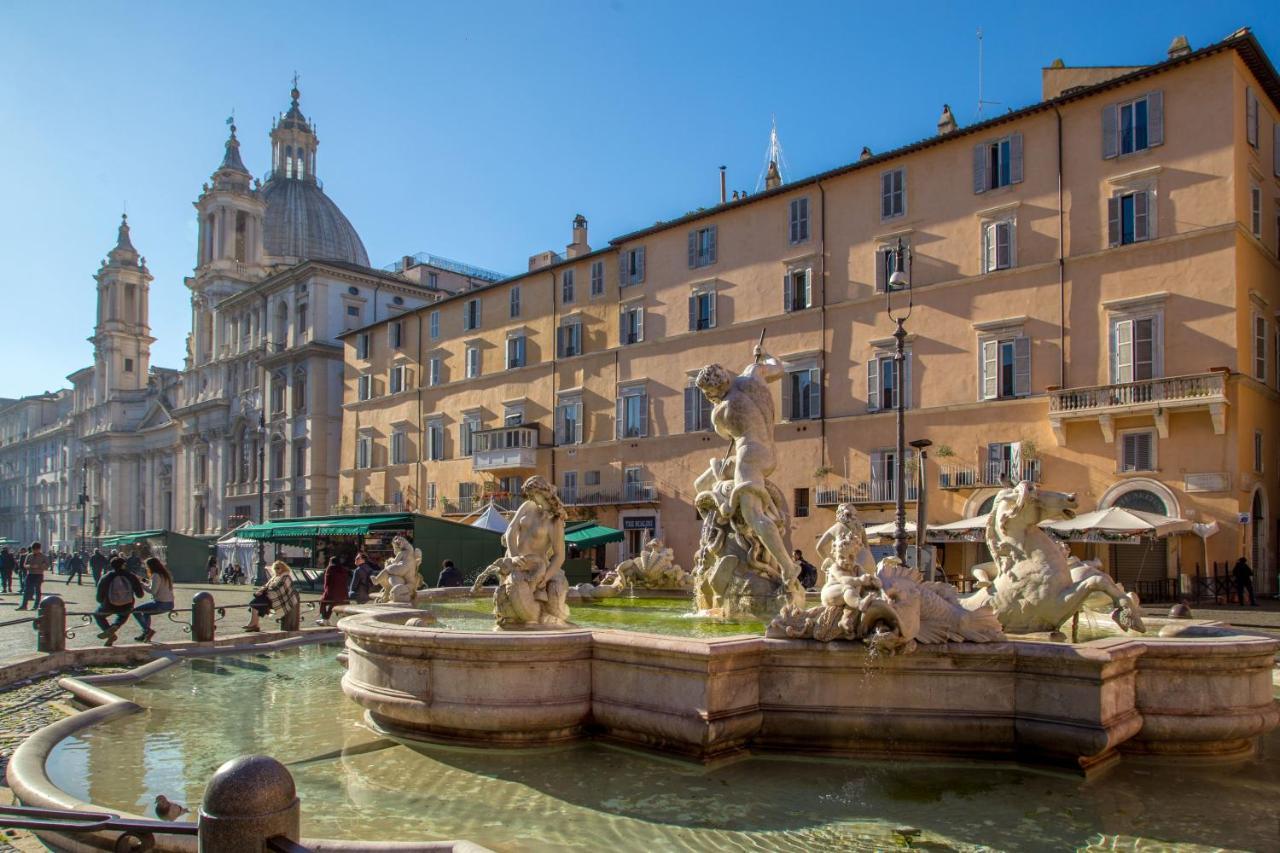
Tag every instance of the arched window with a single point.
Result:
(986, 505)
(241, 224)
(277, 393)
(288, 161)
(1143, 501)
(208, 238)
(301, 172)
(300, 390)
(282, 324)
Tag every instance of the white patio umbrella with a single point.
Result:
(1118, 521)
(491, 519)
(886, 530)
(964, 525)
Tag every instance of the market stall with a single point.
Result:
(581, 537)
(186, 556)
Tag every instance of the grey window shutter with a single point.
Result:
(1140, 218)
(712, 248)
(639, 324)
(560, 341)
(1110, 137)
(1004, 236)
(788, 298)
(693, 249)
(1021, 366)
(1015, 158)
(990, 361)
(882, 280)
(886, 195)
(795, 221)
(815, 392)
(622, 326)
(639, 277)
(691, 408)
(808, 288)
(712, 314)
(623, 278)
(619, 418)
(873, 384)
(788, 396)
(1113, 221)
(560, 425)
(1155, 119)
(693, 312)
(704, 412)
(1251, 116)
(577, 423)
(644, 414)
(980, 168)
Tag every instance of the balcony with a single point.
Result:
(990, 474)
(1154, 397)
(630, 493)
(511, 448)
(868, 492)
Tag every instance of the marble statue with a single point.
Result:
(1033, 583)
(399, 577)
(743, 567)
(653, 568)
(532, 588)
(891, 610)
(847, 525)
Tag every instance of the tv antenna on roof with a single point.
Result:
(981, 102)
(773, 154)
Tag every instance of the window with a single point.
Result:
(998, 245)
(633, 412)
(887, 263)
(1130, 216)
(471, 315)
(128, 365)
(569, 421)
(569, 339)
(395, 334)
(515, 301)
(597, 278)
(466, 434)
(799, 219)
(364, 451)
(591, 478)
(1260, 347)
(702, 247)
(433, 325)
(884, 471)
(515, 351)
(466, 496)
(1255, 211)
(300, 390)
(277, 393)
(277, 459)
(435, 440)
(569, 489)
(473, 362)
(631, 324)
(893, 195)
(433, 371)
(801, 502)
(797, 289)
(398, 380)
(302, 319)
(1251, 116)
(1136, 452)
(430, 493)
(362, 345)
(1006, 367)
(1136, 348)
(299, 460)
(633, 487)
(433, 280)
(353, 311)
(802, 393)
(631, 267)
(364, 387)
(702, 309)
(997, 163)
(1257, 451)
(1133, 125)
(398, 455)
(882, 383)
(513, 415)
(566, 287)
(697, 409)
(1004, 462)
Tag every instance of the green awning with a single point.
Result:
(341, 525)
(588, 534)
(130, 538)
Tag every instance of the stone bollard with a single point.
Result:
(291, 619)
(51, 624)
(203, 617)
(249, 800)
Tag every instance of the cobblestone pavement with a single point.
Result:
(21, 639)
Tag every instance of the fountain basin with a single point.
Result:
(1072, 705)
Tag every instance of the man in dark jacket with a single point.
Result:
(808, 574)
(75, 569)
(97, 564)
(1243, 576)
(117, 591)
(361, 580)
(450, 575)
(7, 566)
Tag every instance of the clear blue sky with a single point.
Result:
(477, 130)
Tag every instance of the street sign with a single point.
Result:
(1243, 518)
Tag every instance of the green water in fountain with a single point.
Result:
(356, 784)
(670, 616)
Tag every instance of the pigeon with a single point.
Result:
(166, 810)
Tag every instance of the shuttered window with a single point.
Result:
(631, 324)
(631, 267)
(1136, 454)
(597, 278)
(1135, 349)
(433, 324)
(697, 409)
(893, 193)
(1255, 211)
(1130, 217)
(396, 334)
(1005, 369)
(702, 310)
(569, 340)
(362, 345)
(471, 315)
(433, 371)
(799, 229)
(398, 455)
(435, 441)
(1260, 347)
(997, 163)
(516, 351)
(998, 250)
(364, 451)
(466, 435)
(1251, 116)
(569, 422)
(632, 417)
(473, 362)
(364, 387)
(702, 247)
(566, 287)
(515, 301)
(802, 394)
(1133, 126)
(797, 290)
(398, 379)
(881, 383)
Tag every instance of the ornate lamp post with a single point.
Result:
(899, 283)
(922, 446)
(84, 505)
(262, 493)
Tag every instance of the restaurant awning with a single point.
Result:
(1118, 521)
(588, 534)
(118, 539)
(885, 530)
(308, 528)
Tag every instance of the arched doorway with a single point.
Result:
(1143, 500)
(1141, 566)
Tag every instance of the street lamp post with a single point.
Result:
(84, 505)
(899, 283)
(262, 494)
(922, 446)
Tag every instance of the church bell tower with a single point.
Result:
(122, 335)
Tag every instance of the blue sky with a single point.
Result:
(477, 130)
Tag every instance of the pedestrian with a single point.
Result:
(808, 572)
(160, 584)
(337, 580)
(211, 569)
(117, 591)
(22, 570)
(361, 580)
(134, 563)
(449, 575)
(75, 569)
(97, 564)
(1243, 576)
(33, 566)
(7, 565)
(276, 594)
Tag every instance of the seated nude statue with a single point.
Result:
(532, 589)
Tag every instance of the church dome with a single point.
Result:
(302, 222)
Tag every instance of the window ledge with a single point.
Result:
(1001, 324)
(1129, 303)
(1135, 175)
(999, 210)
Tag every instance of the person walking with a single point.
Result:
(33, 566)
(211, 569)
(361, 580)
(159, 583)
(75, 569)
(97, 564)
(22, 570)
(134, 563)
(117, 591)
(1243, 576)
(276, 594)
(450, 575)
(808, 572)
(337, 580)
(7, 566)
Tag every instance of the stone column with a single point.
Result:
(248, 800)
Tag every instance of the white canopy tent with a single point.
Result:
(491, 519)
(235, 550)
(887, 529)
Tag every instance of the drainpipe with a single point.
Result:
(1062, 269)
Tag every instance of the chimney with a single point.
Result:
(772, 178)
(1179, 47)
(866, 153)
(723, 198)
(946, 121)
(406, 262)
(579, 245)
